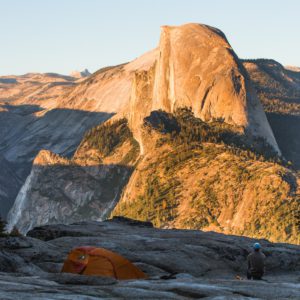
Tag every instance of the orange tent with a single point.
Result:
(100, 262)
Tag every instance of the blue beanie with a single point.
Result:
(256, 246)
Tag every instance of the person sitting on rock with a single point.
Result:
(256, 263)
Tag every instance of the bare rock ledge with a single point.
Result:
(207, 264)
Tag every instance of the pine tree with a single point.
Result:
(2, 227)
(15, 232)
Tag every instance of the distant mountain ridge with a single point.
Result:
(279, 90)
(31, 120)
(292, 68)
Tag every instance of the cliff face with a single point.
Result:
(196, 67)
(86, 187)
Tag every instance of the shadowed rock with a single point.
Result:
(206, 264)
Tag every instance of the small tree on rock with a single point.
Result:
(2, 227)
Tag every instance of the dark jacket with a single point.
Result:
(256, 263)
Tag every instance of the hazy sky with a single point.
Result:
(65, 35)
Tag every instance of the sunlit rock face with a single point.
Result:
(198, 68)
(193, 66)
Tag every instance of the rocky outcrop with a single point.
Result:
(62, 191)
(205, 265)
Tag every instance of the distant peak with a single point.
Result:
(80, 74)
(195, 28)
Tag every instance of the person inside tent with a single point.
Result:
(256, 263)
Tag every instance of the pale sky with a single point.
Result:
(65, 35)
